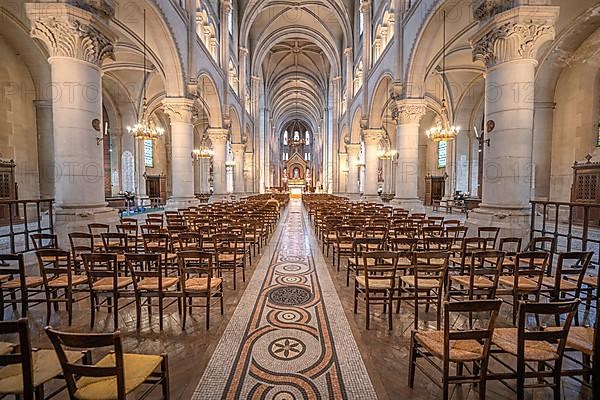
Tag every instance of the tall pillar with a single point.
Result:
(140, 172)
(45, 147)
(225, 11)
(507, 43)
(365, 9)
(238, 150)
(349, 77)
(343, 170)
(180, 111)
(450, 170)
(353, 151)
(543, 121)
(410, 112)
(248, 173)
(218, 137)
(76, 106)
(372, 138)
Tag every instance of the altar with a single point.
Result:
(295, 174)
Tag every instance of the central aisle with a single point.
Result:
(288, 337)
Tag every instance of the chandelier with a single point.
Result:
(443, 131)
(203, 152)
(145, 129)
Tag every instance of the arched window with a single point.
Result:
(307, 138)
(361, 23)
(127, 171)
(149, 153)
(285, 138)
(296, 136)
(442, 148)
(230, 22)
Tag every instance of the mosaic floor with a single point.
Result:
(289, 337)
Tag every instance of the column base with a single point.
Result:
(371, 198)
(175, 203)
(411, 205)
(352, 196)
(513, 222)
(67, 220)
(220, 197)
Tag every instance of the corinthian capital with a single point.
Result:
(514, 34)
(217, 135)
(69, 31)
(410, 111)
(179, 109)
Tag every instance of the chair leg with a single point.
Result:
(116, 313)
(93, 301)
(208, 311)
(138, 312)
(184, 311)
(368, 311)
(48, 310)
(160, 312)
(164, 367)
(412, 361)
(390, 310)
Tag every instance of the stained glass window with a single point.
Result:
(149, 153)
(442, 147)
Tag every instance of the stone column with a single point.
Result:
(180, 111)
(225, 11)
(343, 170)
(248, 173)
(543, 121)
(140, 172)
(45, 148)
(204, 169)
(352, 151)
(365, 9)
(507, 43)
(409, 112)
(450, 170)
(77, 41)
(238, 150)
(349, 77)
(372, 138)
(218, 137)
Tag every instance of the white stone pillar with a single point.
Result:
(45, 147)
(365, 9)
(343, 170)
(507, 43)
(238, 150)
(410, 112)
(225, 11)
(180, 111)
(543, 121)
(218, 137)
(353, 151)
(248, 173)
(372, 138)
(76, 106)
(349, 77)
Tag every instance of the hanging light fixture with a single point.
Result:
(443, 131)
(145, 129)
(204, 151)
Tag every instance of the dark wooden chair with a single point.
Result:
(443, 347)
(114, 376)
(16, 286)
(377, 282)
(197, 275)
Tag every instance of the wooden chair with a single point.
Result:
(377, 283)
(481, 281)
(544, 243)
(490, 233)
(359, 246)
(468, 246)
(59, 276)
(198, 280)
(443, 347)
(25, 370)
(189, 241)
(425, 282)
(105, 279)
(114, 376)
(80, 242)
(15, 281)
(96, 230)
(228, 256)
(344, 243)
(44, 241)
(160, 243)
(537, 345)
(150, 281)
(526, 281)
(132, 232)
(117, 243)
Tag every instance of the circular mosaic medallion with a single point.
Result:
(290, 296)
(292, 279)
(287, 348)
(292, 268)
(289, 316)
(284, 396)
(289, 258)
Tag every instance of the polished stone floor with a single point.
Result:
(195, 352)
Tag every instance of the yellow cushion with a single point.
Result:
(45, 367)
(63, 281)
(506, 339)
(460, 350)
(424, 283)
(30, 281)
(152, 283)
(201, 284)
(137, 368)
(375, 284)
(107, 283)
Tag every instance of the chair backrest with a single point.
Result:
(54, 263)
(451, 222)
(432, 231)
(490, 233)
(97, 229)
(456, 232)
(156, 242)
(63, 341)
(81, 242)
(544, 243)
(20, 355)
(116, 242)
(225, 243)
(563, 313)
(380, 267)
(142, 266)
(574, 265)
(190, 241)
(510, 245)
(438, 243)
(430, 265)
(531, 265)
(14, 266)
(101, 265)
(482, 334)
(474, 243)
(150, 228)
(484, 264)
(403, 244)
(129, 221)
(44, 241)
